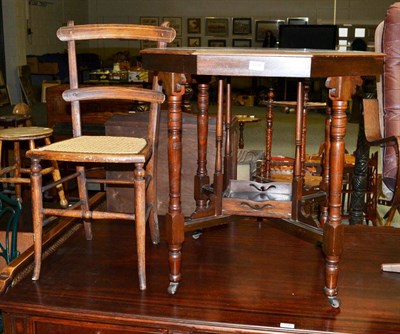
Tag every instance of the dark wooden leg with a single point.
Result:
(228, 157)
(326, 165)
(266, 168)
(340, 91)
(174, 218)
(241, 139)
(201, 178)
(218, 175)
(297, 183)
(360, 178)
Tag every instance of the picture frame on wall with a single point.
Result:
(241, 42)
(176, 23)
(194, 25)
(194, 42)
(297, 20)
(217, 26)
(150, 20)
(217, 43)
(241, 26)
(269, 25)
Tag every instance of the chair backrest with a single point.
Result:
(387, 41)
(71, 33)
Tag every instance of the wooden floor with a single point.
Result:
(244, 277)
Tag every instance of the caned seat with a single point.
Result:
(14, 173)
(100, 150)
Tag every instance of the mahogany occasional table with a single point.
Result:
(343, 70)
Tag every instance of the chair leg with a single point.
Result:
(84, 198)
(151, 200)
(140, 212)
(37, 215)
(56, 176)
(390, 215)
(154, 227)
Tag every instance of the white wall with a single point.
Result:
(319, 11)
(356, 12)
(44, 21)
(14, 11)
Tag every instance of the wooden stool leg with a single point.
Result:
(17, 170)
(2, 160)
(57, 176)
(37, 216)
(140, 212)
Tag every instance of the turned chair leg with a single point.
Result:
(84, 198)
(37, 216)
(140, 213)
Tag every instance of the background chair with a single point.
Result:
(130, 151)
(382, 115)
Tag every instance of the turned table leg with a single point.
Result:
(173, 84)
(340, 91)
(201, 178)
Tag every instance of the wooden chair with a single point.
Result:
(381, 115)
(129, 151)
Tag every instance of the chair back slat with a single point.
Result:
(112, 93)
(116, 31)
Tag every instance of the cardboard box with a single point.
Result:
(48, 68)
(33, 63)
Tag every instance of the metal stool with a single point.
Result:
(15, 170)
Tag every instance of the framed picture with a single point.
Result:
(176, 23)
(194, 41)
(297, 20)
(217, 26)
(262, 27)
(149, 20)
(194, 25)
(241, 42)
(241, 26)
(216, 43)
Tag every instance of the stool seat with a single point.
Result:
(25, 133)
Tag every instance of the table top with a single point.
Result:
(289, 63)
